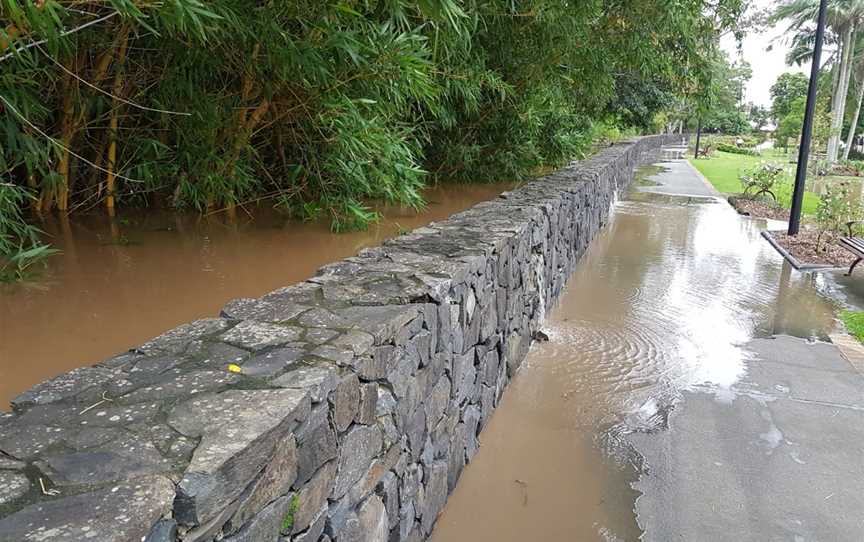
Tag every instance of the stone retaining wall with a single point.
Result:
(339, 409)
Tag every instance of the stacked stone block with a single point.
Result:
(358, 401)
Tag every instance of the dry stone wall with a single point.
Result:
(358, 400)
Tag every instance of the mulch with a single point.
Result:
(803, 248)
(758, 208)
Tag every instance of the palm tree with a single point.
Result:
(844, 18)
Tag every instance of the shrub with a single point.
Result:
(725, 147)
(835, 213)
(762, 179)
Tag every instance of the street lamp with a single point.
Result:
(807, 129)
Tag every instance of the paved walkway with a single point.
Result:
(779, 455)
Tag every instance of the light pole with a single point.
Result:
(807, 129)
(698, 136)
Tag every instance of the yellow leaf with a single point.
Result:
(232, 368)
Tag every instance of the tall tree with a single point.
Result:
(786, 90)
(844, 18)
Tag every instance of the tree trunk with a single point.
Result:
(839, 102)
(850, 137)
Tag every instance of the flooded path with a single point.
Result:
(665, 300)
(113, 288)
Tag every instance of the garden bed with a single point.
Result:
(758, 208)
(802, 249)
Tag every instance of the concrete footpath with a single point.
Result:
(778, 456)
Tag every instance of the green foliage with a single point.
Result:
(725, 147)
(789, 89)
(854, 322)
(322, 106)
(721, 105)
(762, 179)
(836, 213)
(288, 520)
(20, 245)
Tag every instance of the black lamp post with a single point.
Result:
(807, 129)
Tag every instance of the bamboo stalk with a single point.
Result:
(117, 88)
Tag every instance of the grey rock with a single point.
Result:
(238, 430)
(13, 485)
(349, 531)
(357, 341)
(382, 322)
(120, 513)
(316, 441)
(359, 446)
(437, 401)
(344, 401)
(316, 528)
(366, 413)
(373, 520)
(252, 335)
(320, 317)
(11, 464)
(273, 362)
(165, 530)
(456, 457)
(276, 479)
(471, 418)
(69, 385)
(217, 354)
(318, 379)
(380, 466)
(487, 405)
(265, 526)
(435, 495)
(407, 516)
(386, 403)
(24, 441)
(313, 496)
(319, 335)
(388, 489)
(175, 341)
(124, 459)
(416, 431)
(464, 375)
(181, 385)
(261, 310)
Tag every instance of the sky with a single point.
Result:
(767, 65)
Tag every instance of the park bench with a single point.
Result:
(855, 245)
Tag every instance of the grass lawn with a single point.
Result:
(854, 321)
(723, 170)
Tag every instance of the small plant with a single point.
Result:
(20, 246)
(762, 179)
(835, 212)
(288, 520)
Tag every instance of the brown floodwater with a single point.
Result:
(664, 300)
(115, 285)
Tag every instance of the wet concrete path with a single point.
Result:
(675, 303)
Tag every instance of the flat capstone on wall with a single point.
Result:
(343, 408)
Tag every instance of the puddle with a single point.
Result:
(115, 286)
(665, 300)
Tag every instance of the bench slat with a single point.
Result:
(853, 244)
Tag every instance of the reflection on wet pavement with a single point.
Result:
(664, 300)
(116, 285)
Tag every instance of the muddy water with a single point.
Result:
(663, 301)
(114, 287)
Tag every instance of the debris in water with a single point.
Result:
(524, 486)
(541, 336)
